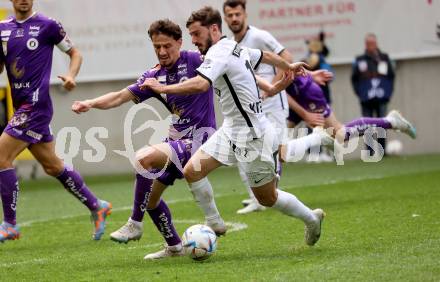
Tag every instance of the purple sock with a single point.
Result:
(161, 216)
(9, 194)
(74, 183)
(360, 125)
(142, 191)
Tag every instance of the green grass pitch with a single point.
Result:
(382, 224)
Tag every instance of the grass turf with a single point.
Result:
(382, 224)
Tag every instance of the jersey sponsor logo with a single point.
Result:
(34, 30)
(182, 69)
(6, 33)
(34, 135)
(18, 120)
(32, 44)
(21, 85)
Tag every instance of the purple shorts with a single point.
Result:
(30, 126)
(182, 149)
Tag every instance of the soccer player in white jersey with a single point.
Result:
(276, 108)
(246, 136)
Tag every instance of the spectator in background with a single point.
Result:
(316, 53)
(373, 80)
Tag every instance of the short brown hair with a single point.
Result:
(166, 27)
(234, 3)
(207, 16)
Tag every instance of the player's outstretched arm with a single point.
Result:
(273, 59)
(104, 102)
(195, 85)
(74, 66)
(275, 88)
(321, 76)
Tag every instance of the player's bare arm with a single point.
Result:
(277, 61)
(104, 102)
(75, 64)
(271, 89)
(193, 85)
(286, 55)
(311, 119)
(321, 76)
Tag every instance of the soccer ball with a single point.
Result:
(199, 241)
(394, 148)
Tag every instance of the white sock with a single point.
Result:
(291, 206)
(204, 196)
(297, 148)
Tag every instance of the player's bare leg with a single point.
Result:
(288, 204)
(195, 172)
(72, 181)
(10, 147)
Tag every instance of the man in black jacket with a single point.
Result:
(373, 80)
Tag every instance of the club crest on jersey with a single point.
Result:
(20, 33)
(32, 44)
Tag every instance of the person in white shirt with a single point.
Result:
(276, 108)
(246, 136)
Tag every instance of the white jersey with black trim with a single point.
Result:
(230, 70)
(260, 39)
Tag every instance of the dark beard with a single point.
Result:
(240, 29)
(208, 45)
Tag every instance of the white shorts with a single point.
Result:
(258, 157)
(279, 123)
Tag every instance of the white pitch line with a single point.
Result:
(184, 200)
(33, 261)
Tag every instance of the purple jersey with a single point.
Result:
(190, 112)
(309, 95)
(27, 48)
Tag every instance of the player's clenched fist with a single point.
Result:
(152, 84)
(81, 106)
(68, 82)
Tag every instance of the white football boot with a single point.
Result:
(312, 231)
(217, 225)
(398, 122)
(166, 253)
(132, 230)
(253, 206)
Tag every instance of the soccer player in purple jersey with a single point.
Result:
(307, 93)
(193, 117)
(27, 44)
